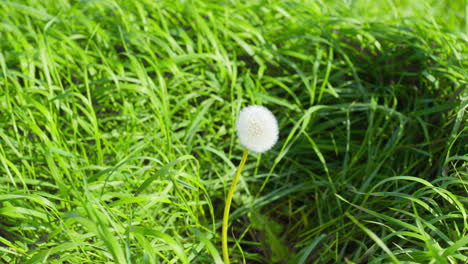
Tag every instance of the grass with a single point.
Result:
(117, 141)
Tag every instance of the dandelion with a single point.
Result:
(257, 130)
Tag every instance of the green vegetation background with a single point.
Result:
(117, 141)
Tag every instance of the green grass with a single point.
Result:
(117, 141)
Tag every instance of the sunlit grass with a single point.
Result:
(117, 131)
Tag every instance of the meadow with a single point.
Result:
(118, 141)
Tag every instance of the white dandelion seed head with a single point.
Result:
(257, 128)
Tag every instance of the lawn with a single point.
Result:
(118, 131)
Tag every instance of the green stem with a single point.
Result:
(227, 207)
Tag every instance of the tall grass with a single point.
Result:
(117, 138)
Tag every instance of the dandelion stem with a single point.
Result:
(227, 207)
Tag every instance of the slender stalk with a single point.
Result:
(227, 207)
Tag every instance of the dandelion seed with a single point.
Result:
(257, 128)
